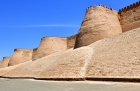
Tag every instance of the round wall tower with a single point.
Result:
(4, 62)
(50, 45)
(99, 22)
(20, 56)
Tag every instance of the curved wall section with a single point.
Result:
(20, 56)
(50, 45)
(99, 22)
(4, 62)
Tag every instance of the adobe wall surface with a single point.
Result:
(10, 68)
(99, 22)
(71, 64)
(130, 17)
(50, 45)
(116, 57)
(68, 64)
(4, 62)
(106, 58)
(20, 56)
(71, 41)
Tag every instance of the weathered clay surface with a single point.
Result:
(20, 56)
(68, 64)
(118, 56)
(31, 69)
(130, 17)
(8, 69)
(99, 22)
(4, 62)
(115, 57)
(50, 45)
(71, 64)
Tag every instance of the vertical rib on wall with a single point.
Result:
(71, 41)
(50, 45)
(130, 17)
(5, 62)
(99, 22)
(20, 56)
(34, 52)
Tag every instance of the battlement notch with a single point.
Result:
(92, 7)
(130, 7)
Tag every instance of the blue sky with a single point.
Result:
(24, 22)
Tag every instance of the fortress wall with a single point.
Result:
(67, 64)
(50, 45)
(130, 17)
(115, 58)
(71, 41)
(99, 22)
(20, 56)
(4, 62)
